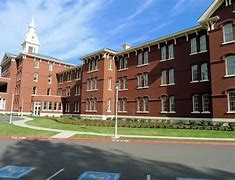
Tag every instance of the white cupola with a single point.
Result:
(31, 43)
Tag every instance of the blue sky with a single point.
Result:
(69, 29)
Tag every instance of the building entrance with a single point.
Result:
(36, 108)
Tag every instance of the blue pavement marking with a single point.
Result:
(15, 172)
(181, 178)
(89, 175)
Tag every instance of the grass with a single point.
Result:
(12, 130)
(45, 122)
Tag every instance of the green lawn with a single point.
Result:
(45, 122)
(7, 129)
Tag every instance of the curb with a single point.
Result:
(109, 140)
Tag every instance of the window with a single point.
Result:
(228, 2)
(92, 84)
(68, 91)
(145, 104)
(69, 76)
(231, 101)
(91, 104)
(142, 105)
(55, 106)
(44, 105)
(204, 72)
(164, 79)
(34, 90)
(194, 70)
(146, 57)
(171, 77)
(76, 106)
(59, 106)
(67, 107)
(196, 103)
(49, 105)
(60, 78)
(122, 105)
(142, 80)
(140, 58)
(92, 65)
(49, 91)
(2, 103)
(59, 92)
(228, 32)
(193, 46)
(110, 64)
(78, 90)
(30, 50)
(230, 65)
(202, 43)
(108, 108)
(164, 104)
(171, 51)
(110, 84)
(163, 53)
(123, 62)
(49, 79)
(35, 77)
(172, 103)
(122, 83)
(78, 75)
(50, 67)
(205, 103)
(36, 63)
(125, 82)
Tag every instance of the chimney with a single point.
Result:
(126, 46)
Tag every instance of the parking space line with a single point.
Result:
(55, 174)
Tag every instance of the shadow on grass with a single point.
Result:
(50, 157)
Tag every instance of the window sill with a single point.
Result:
(78, 79)
(141, 65)
(205, 112)
(122, 111)
(125, 69)
(229, 42)
(204, 51)
(109, 111)
(193, 53)
(163, 85)
(231, 112)
(172, 84)
(195, 112)
(122, 89)
(109, 89)
(110, 69)
(68, 81)
(92, 71)
(164, 60)
(94, 111)
(229, 76)
(192, 82)
(145, 87)
(164, 112)
(92, 90)
(77, 94)
(205, 80)
(142, 112)
(172, 112)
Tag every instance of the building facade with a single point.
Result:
(186, 75)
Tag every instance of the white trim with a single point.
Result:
(141, 65)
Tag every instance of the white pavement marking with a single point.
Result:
(55, 174)
(65, 134)
(148, 177)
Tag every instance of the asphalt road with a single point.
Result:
(133, 160)
(6, 118)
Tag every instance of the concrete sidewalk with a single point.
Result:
(67, 134)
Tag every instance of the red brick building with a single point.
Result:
(189, 74)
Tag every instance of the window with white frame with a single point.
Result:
(44, 105)
(59, 92)
(92, 84)
(164, 104)
(122, 83)
(110, 84)
(55, 106)
(108, 107)
(68, 91)
(142, 104)
(2, 103)
(76, 106)
(34, 90)
(122, 104)
(172, 103)
(49, 79)
(194, 70)
(228, 2)
(142, 80)
(203, 43)
(228, 32)
(163, 53)
(193, 45)
(50, 106)
(195, 100)
(205, 103)
(164, 78)
(171, 77)
(35, 77)
(59, 106)
(140, 58)
(204, 72)
(36, 63)
(123, 62)
(69, 76)
(50, 67)
(145, 104)
(91, 104)
(60, 78)
(67, 107)
(49, 91)
(230, 65)
(78, 74)
(110, 64)
(77, 90)
(171, 51)
(231, 101)
(92, 65)
(146, 57)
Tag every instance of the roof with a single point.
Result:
(70, 69)
(212, 8)
(49, 58)
(104, 50)
(6, 59)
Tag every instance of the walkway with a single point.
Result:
(67, 134)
